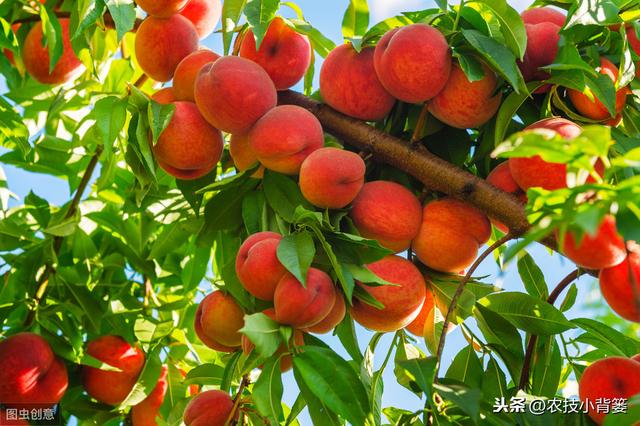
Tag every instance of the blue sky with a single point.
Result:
(326, 15)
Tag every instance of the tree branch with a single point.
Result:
(458, 293)
(43, 281)
(236, 401)
(531, 346)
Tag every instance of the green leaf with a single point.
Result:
(148, 330)
(147, 380)
(267, 391)
(111, 114)
(499, 57)
(205, 374)
(123, 13)
(607, 338)
(466, 368)
(509, 108)
(296, 253)
(494, 382)
(570, 298)
(259, 14)
(159, 116)
(532, 277)
(346, 332)
(253, 208)
(283, 195)
(356, 19)
(422, 371)
(263, 332)
(334, 381)
(319, 412)
(468, 400)
(13, 131)
(87, 302)
(64, 228)
(173, 235)
(547, 369)
(511, 25)
(319, 42)
(527, 313)
(231, 13)
(52, 34)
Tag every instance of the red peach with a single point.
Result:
(210, 408)
(387, 212)
(538, 15)
(257, 264)
(218, 321)
(595, 109)
(162, 43)
(452, 231)
(164, 96)
(184, 79)
(284, 53)
(349, 84)
(233, 93)
(284, 137)
(632, 37)
(31, 374)
(204, 14)
(161, 8)
(335, 317)
(36, 57)
(608, 378)
(413, 63)
(12, 419)
(534, 171)
(418, 324)
(402, 302)
(619, 290)
(604, 249)
(466, 104)
(304, 307)
(189, 147)
(330, 178)
(501, 178)
(242, 154)
(112, 387)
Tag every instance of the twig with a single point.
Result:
(531, 346)
(422, 119)
(458, 293)
(236, 400)
(141, 81)
(43, 281)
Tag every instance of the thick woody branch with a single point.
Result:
(434, 172)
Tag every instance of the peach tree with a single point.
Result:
(229, 210)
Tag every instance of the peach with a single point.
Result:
(331, 178)
(257, 264)
(604, 249)
(112, 387)
(144, 413)
(617, 287)
(466, 104)
(335, 317)
(218, 321)
(243, 155)
(402, 302)
(538, 15)
(189, 147)
(501, 178)
(162, 43)
(184, 79)
(286, 362)
(636, 357)
(36, 57)
(451, 233)
(387, 212)
(418, 324)
(304, 307)
(349, 84)
(233, 93)
(534, 171)
(606, 379)
(164, 96)
(632, 37)
(284, 54)
(284, 137)
(161, 8)
(31, 374)
(594, 109)
(413, 63)
(210, 408)
(204, 14)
